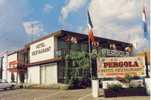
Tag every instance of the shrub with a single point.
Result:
(85, 82)
(77, 83)
(73, 83)
(115, 86)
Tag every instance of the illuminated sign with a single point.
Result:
(112, 67)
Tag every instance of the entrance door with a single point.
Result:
(22, 77)
(12, 77)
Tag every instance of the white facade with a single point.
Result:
(43, 73)
(9, 68)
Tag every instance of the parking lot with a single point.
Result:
(46, 94)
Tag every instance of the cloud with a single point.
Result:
(47, 8)
(33, 27)
(140, 44)
(82, 29)
(72, 6)
(12, 14)
(118, 20)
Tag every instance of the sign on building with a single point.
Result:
(112, 67)
(42, 50)
(113, 53)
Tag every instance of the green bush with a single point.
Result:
(73, 83)
(78, 83)
(115, 86)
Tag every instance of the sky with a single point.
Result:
(22, 21)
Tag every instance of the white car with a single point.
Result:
(5, 85)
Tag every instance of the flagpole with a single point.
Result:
(90, 59)
(90, 39)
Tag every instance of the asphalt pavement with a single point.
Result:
(48, 94)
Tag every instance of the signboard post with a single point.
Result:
(95, 88)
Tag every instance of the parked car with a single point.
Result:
(5, 85)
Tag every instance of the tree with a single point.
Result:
(77, 63)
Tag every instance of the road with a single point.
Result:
(47, 94)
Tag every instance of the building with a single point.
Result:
(43, 60)
(14, 67)
(46, 63)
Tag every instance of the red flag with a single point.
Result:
(90, 33)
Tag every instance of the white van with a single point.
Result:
(5, 85)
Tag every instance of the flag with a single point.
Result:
(92, 42)
(90, 33)
(144, 17)
(89, 21)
